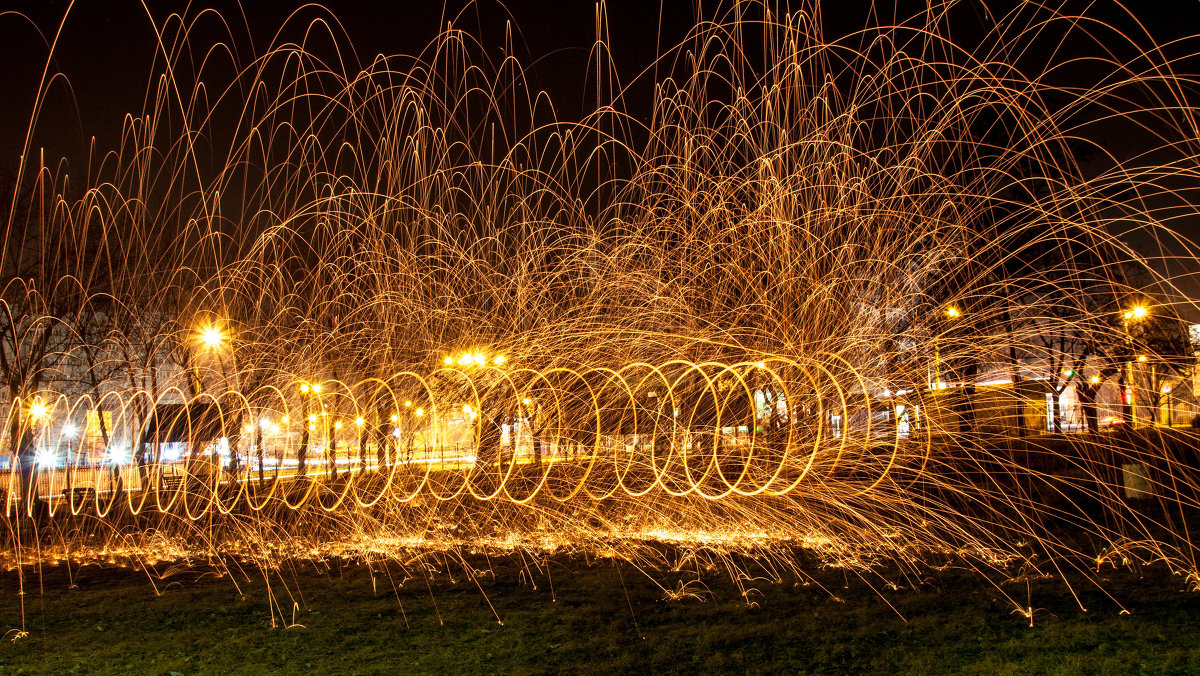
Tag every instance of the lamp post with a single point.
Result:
(487, 431)
(331, 448)
(37, 414)
(210, 337)
(309, 424)
(1136, 313)
(361, 423)
(260, 448)
(952, 313)
(69, 431)
(215, 340)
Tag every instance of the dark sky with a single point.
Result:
(106, 50)
(106, 45)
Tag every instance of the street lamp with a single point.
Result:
(1134, 314)
(69, 430)
(38, 411)
(1138, 312)
(212, 337)
(952, 313)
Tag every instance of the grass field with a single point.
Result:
(589, 618)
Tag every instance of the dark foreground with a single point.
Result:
(596, 619)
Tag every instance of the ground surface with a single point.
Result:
(597, 619)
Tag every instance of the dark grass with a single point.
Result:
(598, 619)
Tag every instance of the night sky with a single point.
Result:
(106, 48)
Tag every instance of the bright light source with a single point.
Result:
(317, 388)
(312, 417)
(69, 430)
(312, 427)
(1166, 389)
(526, 401)
(420, 412)
(953, 312)
(760, 364)
(304, 388)
(1138, 312)
(478, 358)
(337, 425)
(1141, 357)
(468, 410)
(1095, 380)
(45, 458)
(212, 337)
(448, 361)
(500, 359)
(395, 418)
(38, 410)
(285, 420)
(408, 404)
(360, 421)
(264, 422)
(396, 432)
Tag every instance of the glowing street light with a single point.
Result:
(474, 359)
(1137, 313)
(38, 411)
(212, 337)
